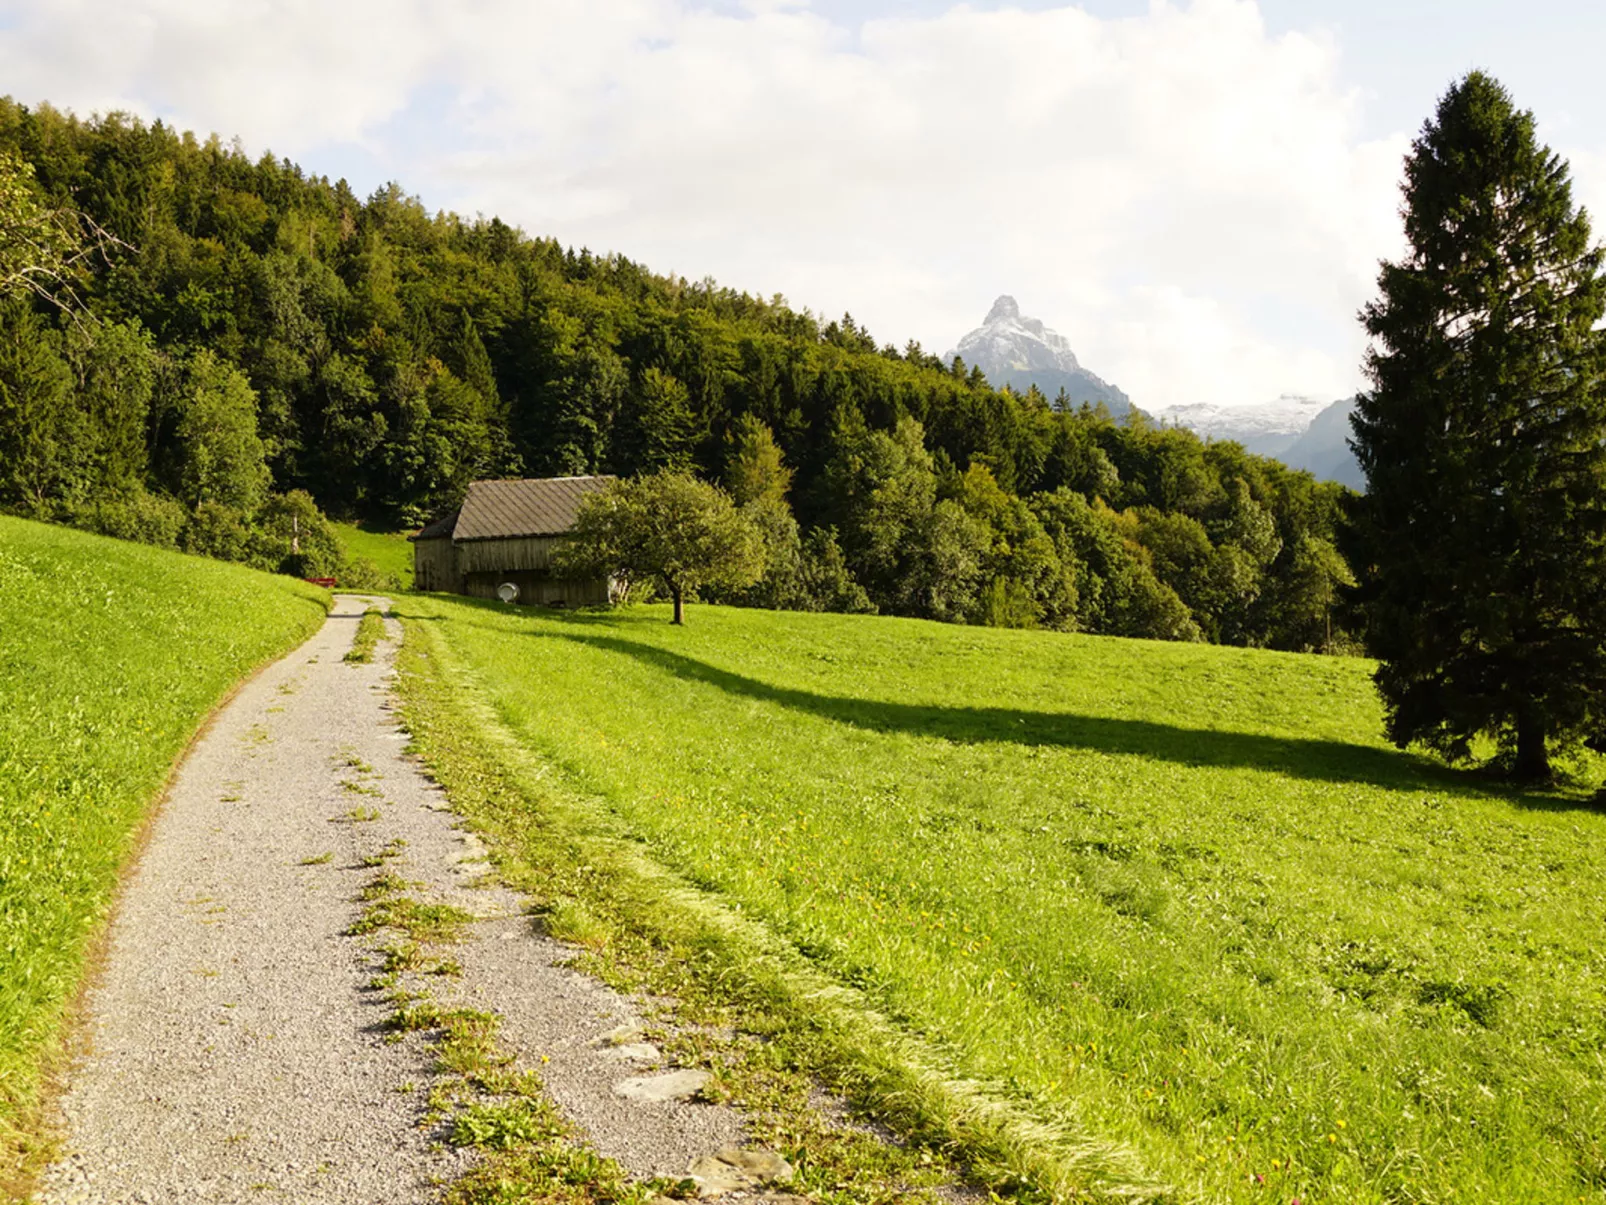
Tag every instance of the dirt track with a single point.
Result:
(236, 1053)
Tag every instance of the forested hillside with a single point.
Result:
(252, 332)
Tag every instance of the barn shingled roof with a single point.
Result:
(543, 506)
(437, 529)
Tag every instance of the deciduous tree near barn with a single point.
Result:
(1481, 540)
(668, 526)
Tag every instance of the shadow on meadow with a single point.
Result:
(1319, 760)
(1297, 757)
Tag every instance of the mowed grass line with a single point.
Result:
(111, 655)
(1178, 897)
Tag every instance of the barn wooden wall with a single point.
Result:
(435, 565)
(539, 590)
(506, 556)
(477, 567)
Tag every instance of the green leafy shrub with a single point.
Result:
(218, 531)
(294, 537)
(135, 515)
(360, 573)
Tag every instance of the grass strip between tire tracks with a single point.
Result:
(370, 631)
(529, 1150)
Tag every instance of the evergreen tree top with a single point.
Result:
(1489, 210)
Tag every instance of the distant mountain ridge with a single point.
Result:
(1324, 447)
(1021, 352)
(1302, 432)
(1268, 429)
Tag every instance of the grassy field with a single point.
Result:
(388, 550)
(1174, 897)
(111, 654)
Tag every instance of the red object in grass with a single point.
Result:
(328, 583)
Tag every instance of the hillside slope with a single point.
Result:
(276, 342)
(111, 654)
(1178, 898)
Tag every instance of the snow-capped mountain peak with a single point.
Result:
(1305, 432)
(1020, 351)
(1008, 341)
(1005, 308)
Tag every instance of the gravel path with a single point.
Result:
(235, 1054)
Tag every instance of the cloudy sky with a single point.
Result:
(1195, 193)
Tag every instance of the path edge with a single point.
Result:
(39, 1130)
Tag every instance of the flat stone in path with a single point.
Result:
(734, 1170)
(636, 1052)
(672, 1085)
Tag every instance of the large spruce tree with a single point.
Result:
(1481, 540)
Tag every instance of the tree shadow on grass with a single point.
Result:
(1296, 757)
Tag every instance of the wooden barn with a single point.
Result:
(507, 531)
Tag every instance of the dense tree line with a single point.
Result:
(257, 340)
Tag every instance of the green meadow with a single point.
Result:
(1180, 899)
(111, 655)
(389, 551)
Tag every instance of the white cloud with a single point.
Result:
(282, 73)
(1589, 184)
(1187, 198)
